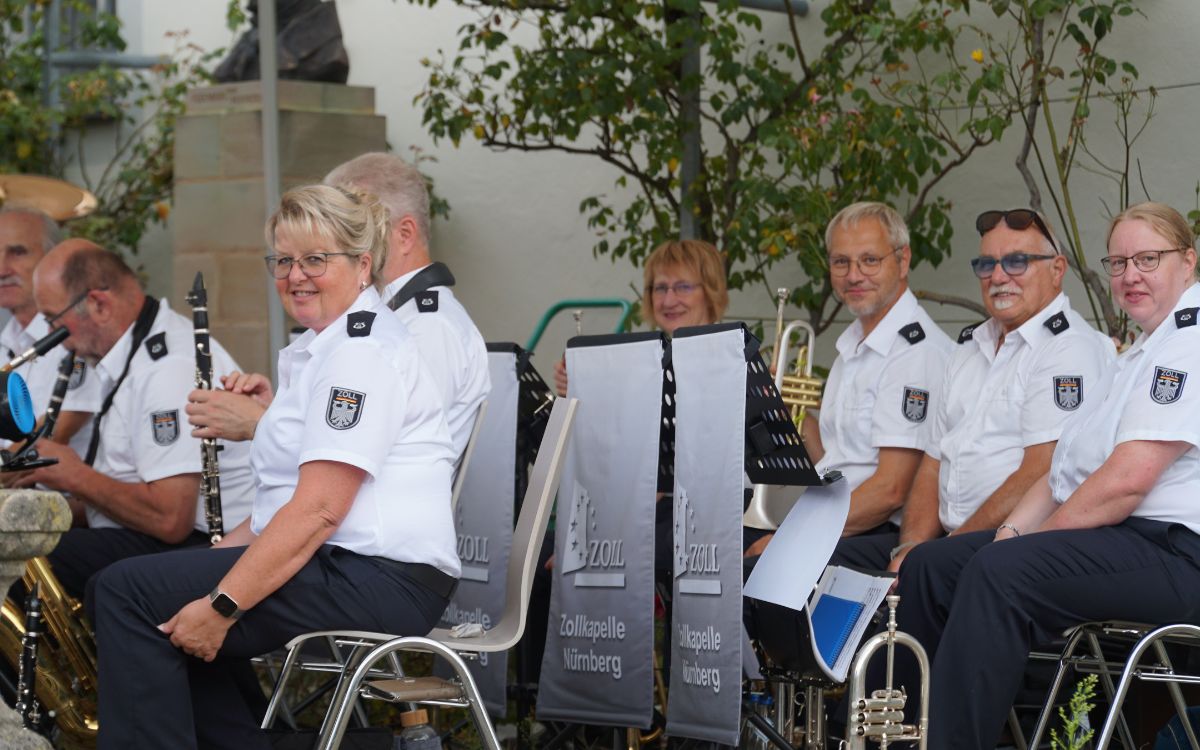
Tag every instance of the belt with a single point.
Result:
(428, 576)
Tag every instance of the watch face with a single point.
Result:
(223, 604)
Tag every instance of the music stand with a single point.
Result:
(774, 452)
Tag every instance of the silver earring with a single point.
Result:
(362, 286)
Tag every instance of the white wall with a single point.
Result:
(515, 238)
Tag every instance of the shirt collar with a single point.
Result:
(313, 344)
(112, 363)
(19, 339)
(989, 333)
(1189, 298)
(884, 335)
(396, 284)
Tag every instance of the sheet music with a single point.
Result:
(791, 564)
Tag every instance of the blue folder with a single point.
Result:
(832, 620)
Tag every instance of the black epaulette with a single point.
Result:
(359, 323)
(156, 345)
(965, 334)
(427, 301)
(1186, 317)
(1057, 323)
(913, 333)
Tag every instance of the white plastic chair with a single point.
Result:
(464, 461)
(360, 673)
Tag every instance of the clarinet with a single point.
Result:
(27, 702)
(65, 370)
(210, 473)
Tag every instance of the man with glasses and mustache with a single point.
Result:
(139, 480)
(1010, 385)
(26, 235)
(876, 413)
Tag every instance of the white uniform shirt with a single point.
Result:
(882, 390)
(1152, 397)
(367, 400)
(145, 434)
(83, 392)
(998, 403)
(453, 350)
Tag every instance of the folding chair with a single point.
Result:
(1141, 638)
(360, 673)
(269, 661)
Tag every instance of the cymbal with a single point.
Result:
(59, 199)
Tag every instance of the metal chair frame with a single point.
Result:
(357, 655)
(1144, 638)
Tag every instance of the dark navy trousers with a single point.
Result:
(979, 607)
(152, 695)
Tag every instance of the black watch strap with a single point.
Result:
(224, 604)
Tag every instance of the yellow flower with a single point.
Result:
(977, 56)
(672, 165)
(163, 209)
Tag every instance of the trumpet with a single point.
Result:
(880, 717)
(800, 391)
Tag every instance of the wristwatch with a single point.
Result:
(224, 604)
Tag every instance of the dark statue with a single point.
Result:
(309, 44)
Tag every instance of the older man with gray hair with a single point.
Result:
(26, 235)
(418, 290)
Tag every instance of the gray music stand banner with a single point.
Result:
(597, 667)
(484, 522)
(706, 625)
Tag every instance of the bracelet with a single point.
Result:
(1010, 527)
(900, 548)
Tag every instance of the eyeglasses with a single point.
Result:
(1147, 260)
(1018, 219)
(868, 265)
(311, 265)
(1013, 264)
(681, 289)
(53, 319)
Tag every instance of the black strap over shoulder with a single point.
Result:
(435, 274)
(141, 329)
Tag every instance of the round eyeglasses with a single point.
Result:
(1147, 260)
(868, 265)
(311, 265)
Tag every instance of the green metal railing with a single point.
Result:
(625, 306)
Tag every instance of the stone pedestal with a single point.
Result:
(31, 522)
(219, 210)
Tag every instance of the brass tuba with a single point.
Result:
(66, 675)
(801, 391)
(880, 716)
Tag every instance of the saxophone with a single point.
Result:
(210, 473)
(64, 681)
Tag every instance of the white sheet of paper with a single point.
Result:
(803, 544)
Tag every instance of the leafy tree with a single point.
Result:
(791, 133)
(888, 103)
(139, 107)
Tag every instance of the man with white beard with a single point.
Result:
(1009, 387)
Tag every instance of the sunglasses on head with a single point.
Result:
(1018, 219)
